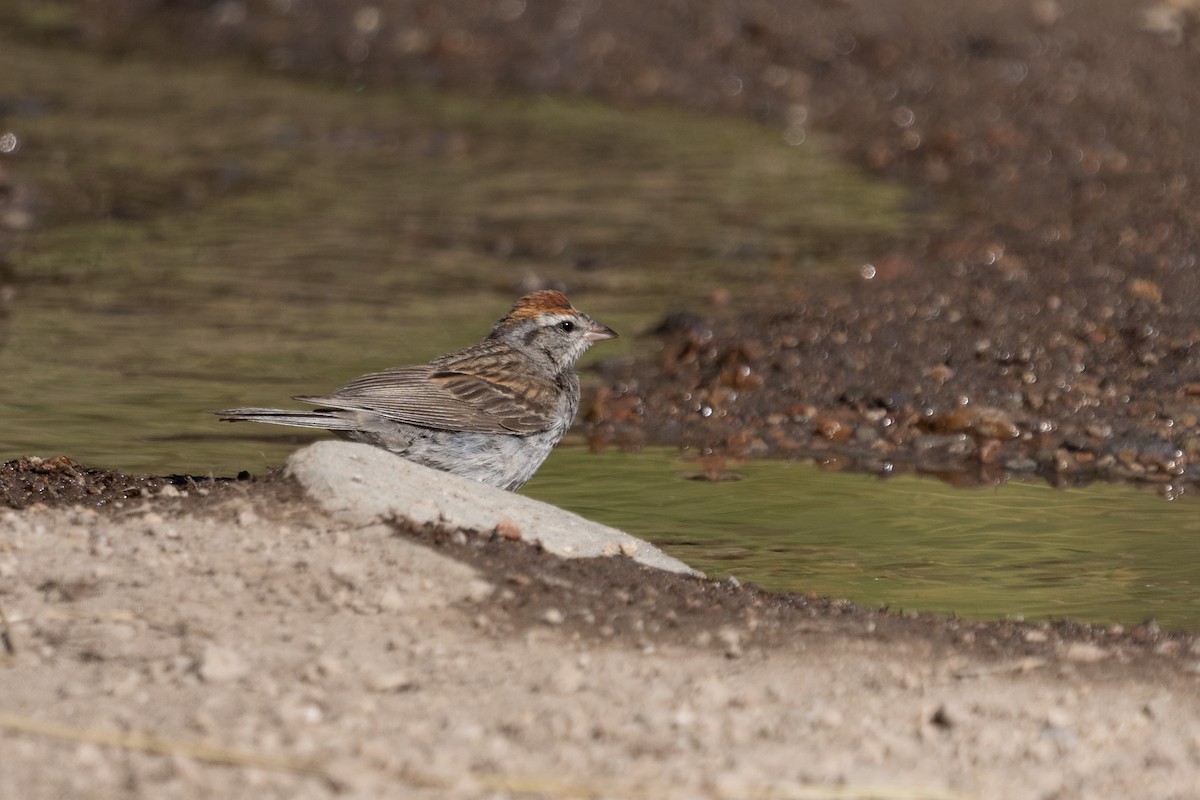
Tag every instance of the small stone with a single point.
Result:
(982, 422)
(153, 524)
(939, 373)
(1141, 289)
(629, 549)
(218, 664)
(508, 529)
(989, 451)
(350, 574)
(478, 590)
(328, 666)
(553, 617)
(832, 429)
(732, 640)
(1084, 653)
(392, 600)
(1058, 718)
(1167, 648)
(387, 682)
(246, 517)
(942, 718)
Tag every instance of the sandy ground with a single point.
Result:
(246, 644)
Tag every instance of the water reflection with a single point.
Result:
(1100, 554)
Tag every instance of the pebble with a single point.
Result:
(219, 664)
(329, 667)
(387, 682)
(732, 640)
(553, 617)
(478, 590)
(507, 529)
(392, 599)
(1059, 718)
(153, 524)
(1084, 653)
(351, 574)
(983, 422)
(943, 717)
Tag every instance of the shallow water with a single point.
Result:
(210, 238)
(213, 238)
(1103, 553)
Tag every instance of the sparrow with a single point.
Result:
(492, 411)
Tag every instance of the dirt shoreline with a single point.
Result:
(235, 622)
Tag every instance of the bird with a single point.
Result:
(492, 411)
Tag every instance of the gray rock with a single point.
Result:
(365, 485)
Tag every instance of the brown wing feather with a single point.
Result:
(439, 395)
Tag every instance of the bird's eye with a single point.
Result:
(566, 326)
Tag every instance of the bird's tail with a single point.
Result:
(328, 419)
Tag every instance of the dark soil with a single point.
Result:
(610, 598)
(1049, 327)
(620, 600)
(60, 482)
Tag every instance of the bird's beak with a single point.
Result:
(599, 332)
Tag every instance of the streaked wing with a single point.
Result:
(439, 395)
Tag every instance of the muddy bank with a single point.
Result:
(237, 641)
(36, 486)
